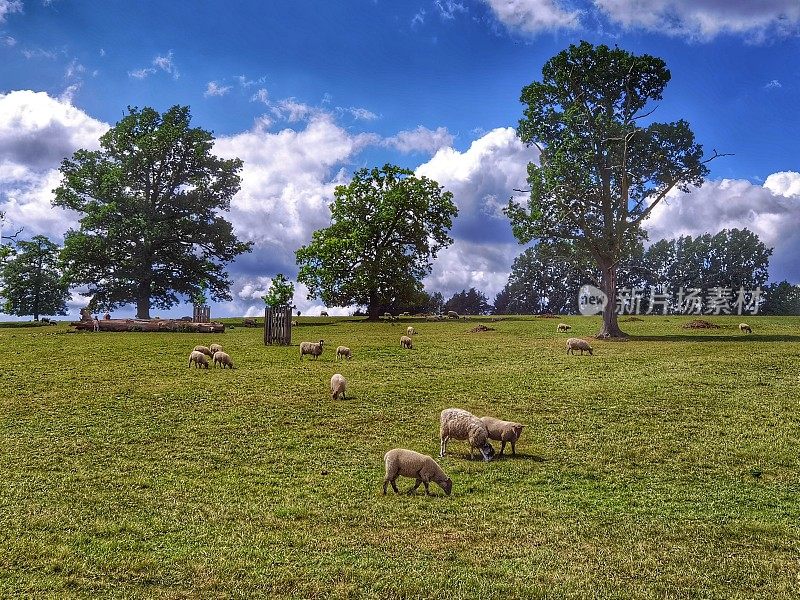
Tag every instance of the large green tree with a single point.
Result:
(603, 168)
(31, 281)
(151, 199)
(387, 225)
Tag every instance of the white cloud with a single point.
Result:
(420, 139)
(481, 179)
(215, 89)
(418, 18)
(248, 83)
(448, 8)
(359, 114)
(773, 84)
(36, 133)
(534, 16)
(74, 69)
(293, 111)
(772, 211)
(261, 95)
(705, 19)
(8, 7)
(39, 53)
(7, 40)
(163, 63)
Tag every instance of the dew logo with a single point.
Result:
(591, 300)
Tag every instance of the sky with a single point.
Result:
(306, 92)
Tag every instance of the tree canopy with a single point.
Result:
(387, 226)
(151, 199)
(602, 168)
(280, 293)
(468, 302)
(31, 281)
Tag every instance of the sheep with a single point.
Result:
(578, 344)
(312, 348)
(294, 323)
(338, 386)
(563, 327)
(205, 350)
(503, 431)
(344, 352)
(745, 328)
(410, 331)
(408, 463)
(199, 359)
(405, 342)
(215, 348)
(223, 359)
(248, 322)
(459, 424)
(451, 314)
(323, 313)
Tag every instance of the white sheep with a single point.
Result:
(458, 424)
(338, 386)
(563, 327)
(453, 314)
(198, 358)
(745, 328)
(578, 344)
(215, 348)
(503, 431)
(410, 331)
(312, 348)
(205, 350)
(223, 359)
(408, 463)
(343, 352)
(405, 342)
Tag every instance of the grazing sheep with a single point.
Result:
(223, 359)
(413, 464)
(745, 328)
(453, 314)
(215, 348)
(405, 342)
(343, 352)
(578, 344)
(410, 331)
(294, 323)
(462, 425)
(338, 386)
(248, 322)
(205, 350)
(563, 327)
(312, 348)
(405, 314)
(323, 313)
(198, 358)
(503, 431)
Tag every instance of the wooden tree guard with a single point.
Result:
(278, 325)
(202, 313)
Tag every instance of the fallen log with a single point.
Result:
(169, 325)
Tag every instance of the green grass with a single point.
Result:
(661, 467)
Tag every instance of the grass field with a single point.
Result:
(666, 466)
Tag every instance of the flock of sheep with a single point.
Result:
(200, 355)
(454, 423)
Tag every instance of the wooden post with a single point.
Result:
(201, 313)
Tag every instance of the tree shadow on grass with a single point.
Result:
(688, 337)
(520, 456)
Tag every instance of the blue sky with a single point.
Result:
(306, 92)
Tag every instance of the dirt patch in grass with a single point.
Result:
(480, 328)
(700, 324)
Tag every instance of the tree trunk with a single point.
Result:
(373, 308)
(608, 283)
(143, 301)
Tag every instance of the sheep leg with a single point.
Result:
(513, 449)
(502, 447)
(416, 485)
(427, 491)
(442, 447)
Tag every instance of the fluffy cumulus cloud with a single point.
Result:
(771, 210)
(705, 19)
(482, 179)
(287, 183)
(534, 16)
(36, 132)
(420, 139)
(8, 7)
